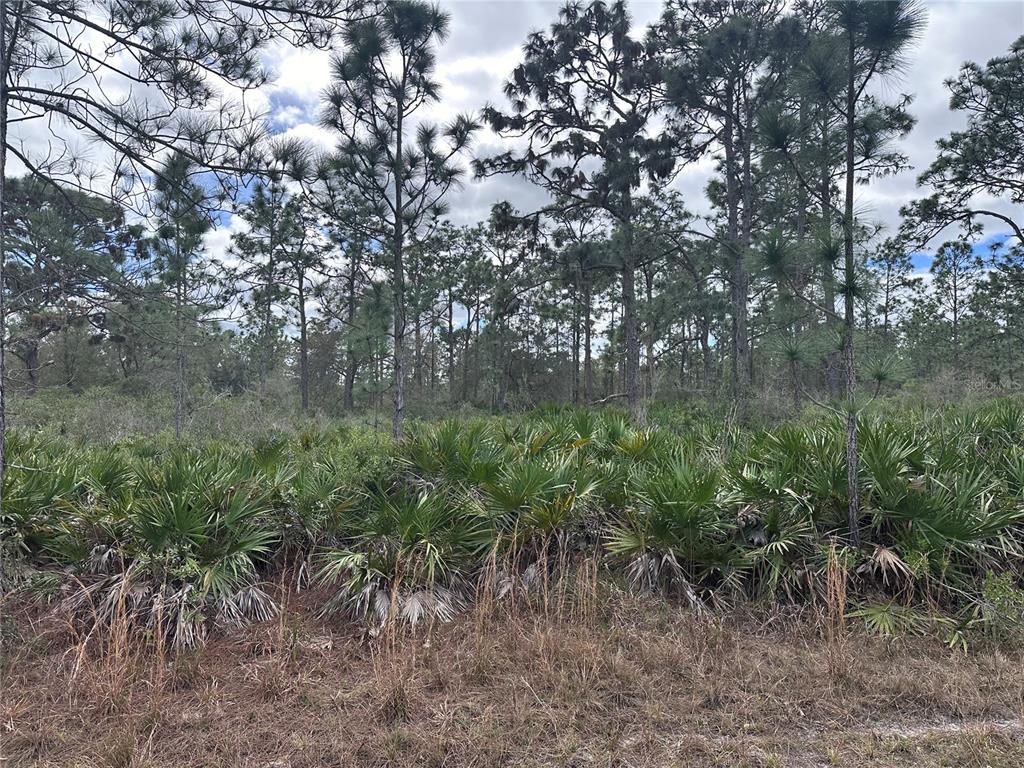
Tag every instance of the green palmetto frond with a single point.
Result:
(415, 549)
(892, 619)
(674, 526)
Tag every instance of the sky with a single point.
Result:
(485, 45)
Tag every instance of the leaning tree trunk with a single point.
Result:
(852, 481)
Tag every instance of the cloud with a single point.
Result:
(957, 32)
(217, 242)
(485, 44)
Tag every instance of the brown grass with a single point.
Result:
(620, 682)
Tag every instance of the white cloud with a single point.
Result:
(485, 45)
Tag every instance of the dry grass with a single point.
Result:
(623, 682)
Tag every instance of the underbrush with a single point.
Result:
(173, 541)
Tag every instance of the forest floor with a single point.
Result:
(642, 684)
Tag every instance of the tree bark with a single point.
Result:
(852, 479)
(737, 269)
(179, 345)
(629, 319)
(451, 346)
(588, 362)
(828, 269)
(352, 364)
(398, 287)
(649, 332)
(303, 343)
(4, 58)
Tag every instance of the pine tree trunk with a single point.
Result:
(683, 360)
(575, 341)
(649, 332)
(179, 348)
(268, 303)
(476, 354)
(303, 343)
(706, 352)
(852, 479)
(588, 362)
(745, 352)
(432, 344)
(352, 363)
(3, 250)
(737, 269)
(465, 358)
(629, 319)
(398, 289)
(451, 347)
(828, 270)
(417, 364)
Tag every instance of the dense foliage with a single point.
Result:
(222, 274)
(181, 538)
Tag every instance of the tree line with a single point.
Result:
(349, 288)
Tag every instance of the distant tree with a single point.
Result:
(897, 284)
(447, 251)
(350, 227)
(181, 270)
(876, 36)
(861, 42)
(302, 270)
(64, 67)
(983, 161)
(384, 75)
(64, 254)
(280, 253)
(996, 306)
(260, 250)
(585, 99)
(955, 270)
(511, 246)
(723, 62)
(581, 238)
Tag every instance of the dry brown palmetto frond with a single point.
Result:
(887, 563)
